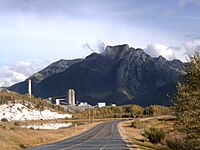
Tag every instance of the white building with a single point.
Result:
(102, 104)
(71, 97)
(57, 101)
(83, 104)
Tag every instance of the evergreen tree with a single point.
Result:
(187, 103)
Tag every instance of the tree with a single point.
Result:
(187, 103)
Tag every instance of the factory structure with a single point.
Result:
(71, 97)
(69, 100)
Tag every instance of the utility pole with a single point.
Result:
(93, 114)
(89, 114)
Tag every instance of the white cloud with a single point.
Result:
(20, 71)
(156, 49)
(192, 46)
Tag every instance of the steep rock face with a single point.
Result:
(50, 70)
(53, 68)
(120, 75)
(90, 78)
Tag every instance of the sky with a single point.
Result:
(35, 33)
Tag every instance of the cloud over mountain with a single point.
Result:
(20, 71)
(156, 49)
(192, 46)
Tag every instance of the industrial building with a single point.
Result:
(101, 104)
(71, 97)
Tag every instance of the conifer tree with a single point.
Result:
(187, 103)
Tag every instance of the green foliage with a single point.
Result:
(155, 135)
(187, 103)
(4, 120)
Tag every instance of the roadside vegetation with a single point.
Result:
(187, 105)
(179, 131)
(126, 111)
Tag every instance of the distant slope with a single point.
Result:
(161, 96)
(50, 70)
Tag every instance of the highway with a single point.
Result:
(104, 136)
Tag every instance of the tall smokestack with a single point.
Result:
(29, 87)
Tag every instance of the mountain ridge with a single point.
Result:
(121, 74)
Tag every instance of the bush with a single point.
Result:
(4, 120)
(17, 123)
(155, 135)
(31, 128)
(137, 124)
(12, 128)
(175, 140)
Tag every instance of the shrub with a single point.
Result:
(31, 128)
(17, 123)
(4, 120)
(22, 145)
(12, 128)
(137, 124)
(175, 140)
(155, 135)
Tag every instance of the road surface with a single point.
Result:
(104, 136)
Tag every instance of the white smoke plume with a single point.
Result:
(99, 47)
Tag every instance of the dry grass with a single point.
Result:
(14, 137)
(135, 137)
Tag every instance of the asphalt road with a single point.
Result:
(104, 136)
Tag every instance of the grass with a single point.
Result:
(133, 131)
(143, 145)
(14, 137)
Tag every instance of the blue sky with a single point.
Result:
(37, 32)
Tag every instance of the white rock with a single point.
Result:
(19, 112)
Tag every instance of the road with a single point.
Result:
(104, 136)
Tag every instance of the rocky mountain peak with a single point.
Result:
(114, 52)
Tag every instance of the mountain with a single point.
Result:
(121, 75)
(50, 70)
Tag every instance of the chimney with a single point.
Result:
(29, 87)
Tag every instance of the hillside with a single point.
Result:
(121, 75)
(50, 70)
(16, 107)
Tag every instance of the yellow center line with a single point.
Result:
(85, 141)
